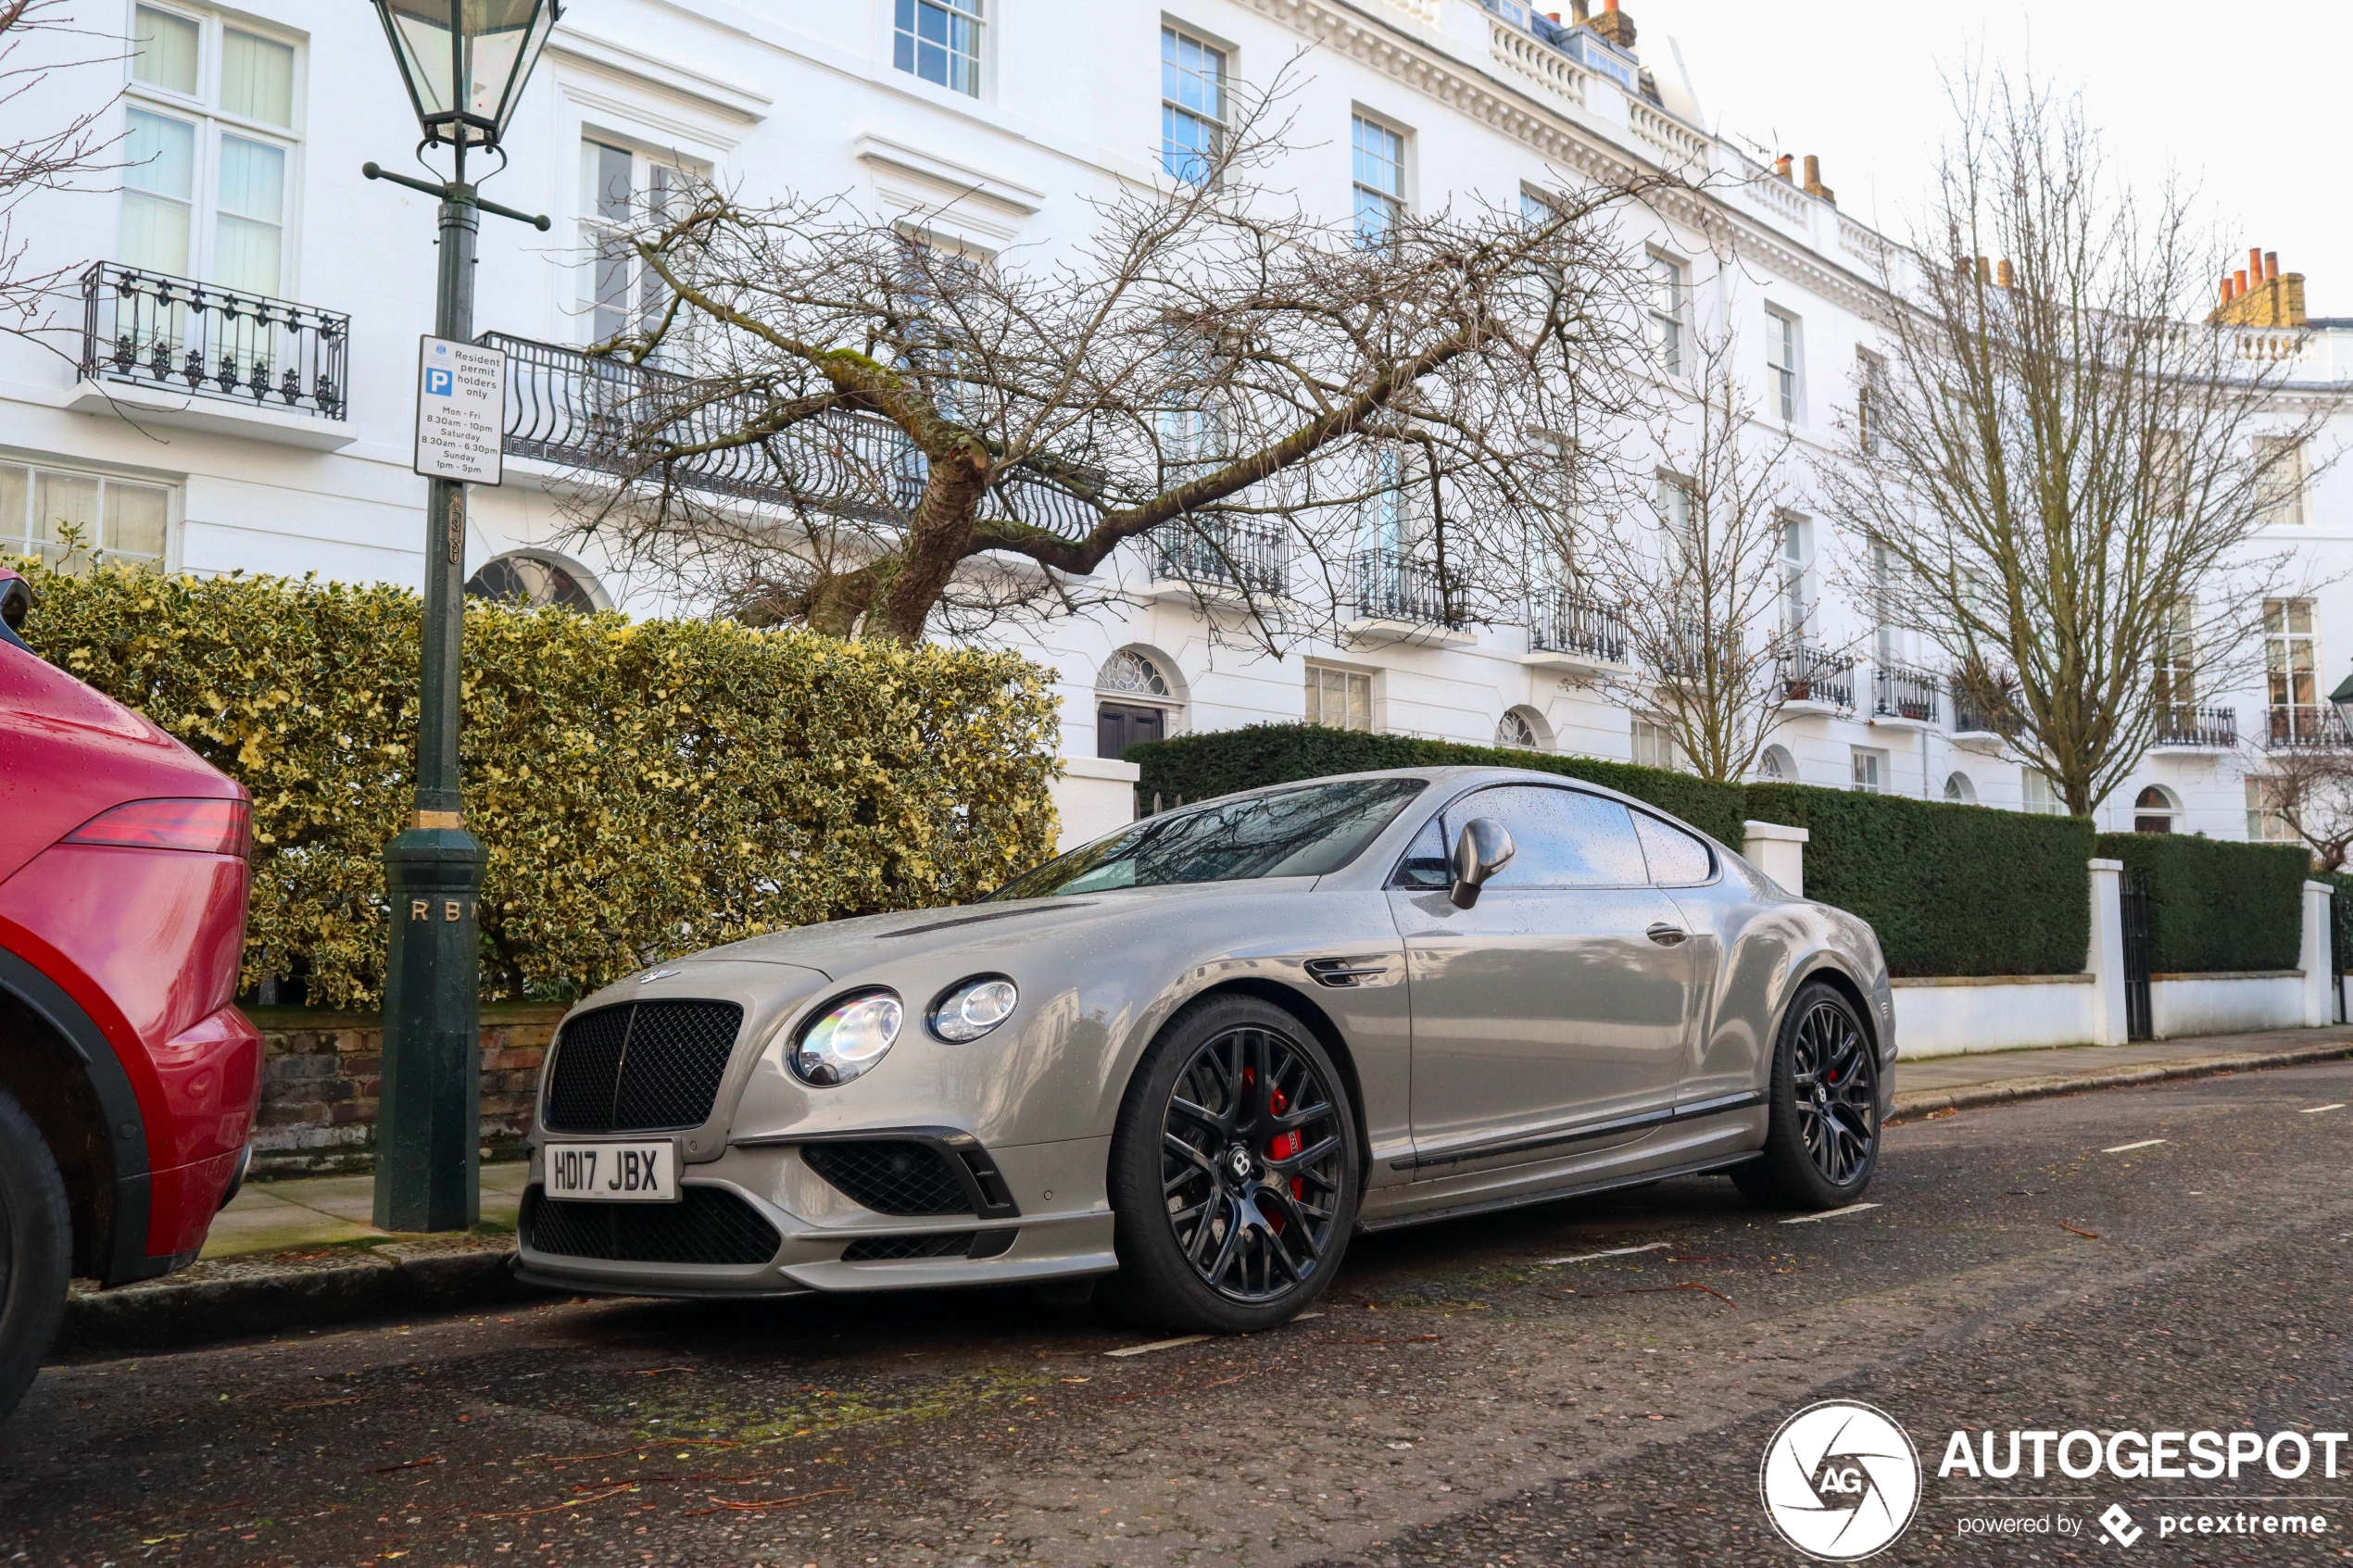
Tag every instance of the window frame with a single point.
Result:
(1785, 334)
(984, 35)
(1173, 33)
(593, 227)
(1869, 760)
(1396, 204)
(210, 121)
(1310, 685)
(2282, 643)
(22, 542)
(1673, 322)
(1634, 810)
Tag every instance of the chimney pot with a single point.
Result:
(2239, 278)
(1609, 4)
(2270, 265)
(2002, 272)
(2255, 263)
(1780, 165)
(2226, 291)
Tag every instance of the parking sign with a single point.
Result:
(461, 411)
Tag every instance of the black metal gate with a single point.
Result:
(2139, 949)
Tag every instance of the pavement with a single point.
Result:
(1587, 1382)
(314, 1212)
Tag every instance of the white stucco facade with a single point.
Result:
(805, 94)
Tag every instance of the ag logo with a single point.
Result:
(1840, 1480)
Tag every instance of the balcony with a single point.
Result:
(2197, 729)
(1975, 723)
(1576, 636)
(1210, 559)
(181, 352)
(1902, 695)
(1395, 597)
(574, 410)
(1817, 681)
(2294, 727)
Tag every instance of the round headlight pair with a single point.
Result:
(852, 1034)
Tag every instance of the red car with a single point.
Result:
(128, 1081)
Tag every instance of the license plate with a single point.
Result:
(613, 1172)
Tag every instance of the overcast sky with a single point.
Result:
(2254, 103)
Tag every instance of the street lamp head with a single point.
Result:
(2342, 700)
(465, 61)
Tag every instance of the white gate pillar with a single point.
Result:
(2105, 960)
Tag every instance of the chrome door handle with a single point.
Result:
(1667, 935)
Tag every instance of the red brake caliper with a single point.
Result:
(1284, 1145)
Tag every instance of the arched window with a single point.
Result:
(1775, 765)
(1139, 695)
(1523, 729)
(1959, 790)
(2154, 810)
(537, 579)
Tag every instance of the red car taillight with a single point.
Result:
(208, 827)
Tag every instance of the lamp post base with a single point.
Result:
(428, 1132)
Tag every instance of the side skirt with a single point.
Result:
(1554, 1195)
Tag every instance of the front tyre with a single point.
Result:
(1234, 1172)
(1822, 1143)
(36, 1251)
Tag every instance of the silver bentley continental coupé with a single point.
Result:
(1198, 1055)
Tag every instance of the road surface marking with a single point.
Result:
(2124, 1147)
(1832, 1215)
(1613, 1252)
(2316, 1110)
(1158, 1345)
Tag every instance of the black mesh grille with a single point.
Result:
(641, 1066)
(707, 1225)
(894, 1248)
(891, 1177)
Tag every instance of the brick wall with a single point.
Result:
(321, 1075)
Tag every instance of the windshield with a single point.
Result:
(1290, 832)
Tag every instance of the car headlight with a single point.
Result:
(972, 1008)
(846, 1039)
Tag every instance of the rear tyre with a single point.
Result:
(1821, 1144)
(36, 1251)
(1234, 1172)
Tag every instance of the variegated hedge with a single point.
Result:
(645, 788)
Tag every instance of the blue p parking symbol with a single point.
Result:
(440, 381)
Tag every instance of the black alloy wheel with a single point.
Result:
(1821, 1141)
(36, 1251)
(1234, 1171)
(1836, 1091)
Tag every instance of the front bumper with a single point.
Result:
(1063, 1229)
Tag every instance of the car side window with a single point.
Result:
(1563, 837)
(1677, 860)
(1427, 861)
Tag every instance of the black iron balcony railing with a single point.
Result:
(2209, 728)
(155, 330)
(1230, 552)
(1812, 674)
(1901, 692)
(567, 407)
(1390, 585)
(1972, 716)
(1568, 623)
(2291, 727)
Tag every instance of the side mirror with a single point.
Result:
(1483, 849)
(15, 602)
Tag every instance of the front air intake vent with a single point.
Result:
(640, 1067)
(707, 1225)
(890, 1176)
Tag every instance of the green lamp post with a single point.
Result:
(464, 63)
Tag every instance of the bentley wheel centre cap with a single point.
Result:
(1237, 1161)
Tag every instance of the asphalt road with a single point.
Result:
(1460, 1400)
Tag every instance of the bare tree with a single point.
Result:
(2309, 790)
(862, 424)
(34, 155)
(1691, 559)
(2066, 468)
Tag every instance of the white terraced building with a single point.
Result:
(244, 130)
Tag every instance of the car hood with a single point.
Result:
(840, 947)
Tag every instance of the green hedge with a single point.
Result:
(643, 788)
(1950, 889)
(2215, 905)
(1220, 761)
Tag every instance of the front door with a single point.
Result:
(1558, 1003)
(1119, 725)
